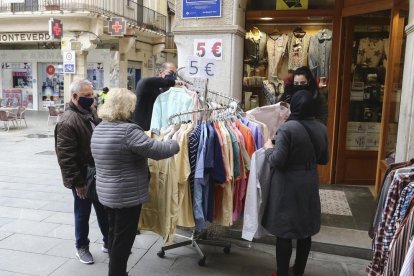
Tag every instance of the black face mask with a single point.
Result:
(86, 103)
(171, 76)
(300, 87)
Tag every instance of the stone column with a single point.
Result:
(81, 67)
(81, 61)
(126, 43)
(230, 29)
(405, 138)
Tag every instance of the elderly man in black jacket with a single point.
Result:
(72, 144)
(148, 90)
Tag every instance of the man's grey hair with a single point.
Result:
(77, 85)
(163, 67)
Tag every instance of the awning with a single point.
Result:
(171, 6)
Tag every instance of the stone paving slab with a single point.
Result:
(29, 227)
(67, 232)
(29, 263)
(74, 267)
(35, 195)
(4, 235)
(61, 218)
(4, 221)
(29, 243)
(8, 273)
(67, 249)
(55, 189)
(22, 203)
(145, 241)
(23, 213)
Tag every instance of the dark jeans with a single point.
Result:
(284, 252)
(82, 210)
(122, 230)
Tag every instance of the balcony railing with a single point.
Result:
(133, 12)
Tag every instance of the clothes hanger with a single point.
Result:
(255, 30)
(275, 31)
(298, 32)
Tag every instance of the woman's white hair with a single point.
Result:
(118, 106)
(77, 85)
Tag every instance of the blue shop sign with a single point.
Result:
(201, 8)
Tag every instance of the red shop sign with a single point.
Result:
(50, 70)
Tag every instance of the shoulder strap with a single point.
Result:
(312, 138)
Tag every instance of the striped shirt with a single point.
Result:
(400, 245)
(383, 238)
(193, 141)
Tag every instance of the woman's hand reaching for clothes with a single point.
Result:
(268, 144)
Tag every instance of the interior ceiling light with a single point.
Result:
(266, 18)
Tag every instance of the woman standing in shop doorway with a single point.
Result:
(304, 80)
(294, 210)
(121, 150)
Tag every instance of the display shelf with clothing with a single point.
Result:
(288, 47)
(368, 72)
(393, 222)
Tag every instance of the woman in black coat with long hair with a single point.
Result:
(293, 210)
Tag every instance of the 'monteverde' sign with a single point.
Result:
(24, 37)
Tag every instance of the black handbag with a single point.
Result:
(91, 183)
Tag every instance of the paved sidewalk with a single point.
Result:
(37, 231)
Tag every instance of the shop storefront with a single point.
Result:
(34, 78)
(355, 50)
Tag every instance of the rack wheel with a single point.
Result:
(202, 262)
(161, 254)
(226, 250)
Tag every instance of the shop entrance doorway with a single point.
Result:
(50, 84)
(134, 74)
(374, 45)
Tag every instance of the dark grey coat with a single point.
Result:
(120, 150)
(293, 210)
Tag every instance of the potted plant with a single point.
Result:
(52, 5)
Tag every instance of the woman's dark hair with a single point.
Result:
(105, 89)
(304, 70)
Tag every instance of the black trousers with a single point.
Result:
(284, 252)
(122, 230)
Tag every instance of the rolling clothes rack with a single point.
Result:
(201, 238)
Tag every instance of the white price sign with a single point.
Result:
(200, 67)
(208, 48)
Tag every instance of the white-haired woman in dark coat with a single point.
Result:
(294, 210)
(121, 150)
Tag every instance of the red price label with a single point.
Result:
(208, 48)
(201, 49)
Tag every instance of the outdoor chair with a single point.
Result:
(54, 113)
(20, 116)
(6, 119)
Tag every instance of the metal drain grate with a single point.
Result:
(39, 136)
(47, 152)
(334, 203)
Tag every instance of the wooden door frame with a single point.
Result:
(394, 55)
